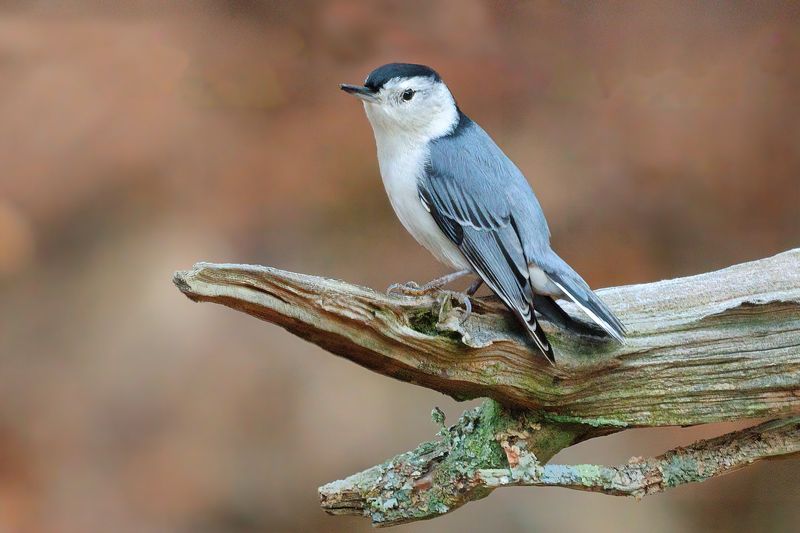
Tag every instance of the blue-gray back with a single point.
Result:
(483, 203)
(467, 165)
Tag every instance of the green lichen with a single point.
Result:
(474, 444)
(587, 475)
(478, 444)
(438, 417)
(681, 469)
(439, 476)
(426, 321)
(550, 439)
(489, 371)
(591, 421)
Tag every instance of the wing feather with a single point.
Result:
(483, 204)
(489, 241)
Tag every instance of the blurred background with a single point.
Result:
(136, 138)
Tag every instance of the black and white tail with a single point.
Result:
(537, 334)
(573, 286)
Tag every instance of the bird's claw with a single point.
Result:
(461, 298)
(411, 288)
(408, 288)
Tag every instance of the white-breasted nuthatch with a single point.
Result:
(463, 199)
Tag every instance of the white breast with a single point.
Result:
(401, 164)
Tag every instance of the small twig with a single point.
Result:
(641, 477)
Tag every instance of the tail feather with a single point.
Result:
(573, 286)
(597, 311)
(537, 334)
(552, 312)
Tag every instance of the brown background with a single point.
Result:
(136, 138)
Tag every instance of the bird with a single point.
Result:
(459, 196)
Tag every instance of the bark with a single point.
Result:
(717, 346)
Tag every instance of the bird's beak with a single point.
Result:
(364, 93)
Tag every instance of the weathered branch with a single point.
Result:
(442, 475)
(713, 347)
(491, 447)
(641, 477)
(718, 346)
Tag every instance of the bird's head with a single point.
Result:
(407, 100)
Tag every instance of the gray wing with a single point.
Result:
(466, 189)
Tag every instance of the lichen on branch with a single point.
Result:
(641, 477)
(491, 447)
(441, 475)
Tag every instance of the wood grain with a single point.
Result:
(718, 346)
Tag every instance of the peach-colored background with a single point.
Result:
(136, 138)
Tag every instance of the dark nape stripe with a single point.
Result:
(463, 123)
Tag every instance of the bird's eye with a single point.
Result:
(408, 94)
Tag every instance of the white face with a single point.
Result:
(417, 108)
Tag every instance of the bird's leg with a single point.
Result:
(412, 289)
(472, 289)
